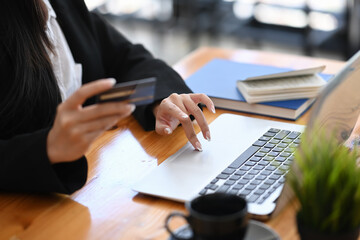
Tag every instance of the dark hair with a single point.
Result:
(33, 92)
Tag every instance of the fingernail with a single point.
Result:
(213, 109)
(198, 146)
(132, 107)
(184, 116)
(111, 80)
(168, 131)
(207, 136)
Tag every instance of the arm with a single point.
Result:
(126, 61)
(25, 167)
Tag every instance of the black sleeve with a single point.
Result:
(24, 164)
(25, 167)
(127, 61)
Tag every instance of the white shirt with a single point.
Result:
(68, 73)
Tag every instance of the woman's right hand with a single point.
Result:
(76, 127)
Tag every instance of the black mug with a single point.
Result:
(213, 217)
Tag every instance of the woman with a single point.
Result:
(51, 57)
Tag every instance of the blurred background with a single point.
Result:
(170, 29)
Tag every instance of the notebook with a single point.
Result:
(186, 174)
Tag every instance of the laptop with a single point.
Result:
(250, 156)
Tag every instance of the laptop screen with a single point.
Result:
(338, 106)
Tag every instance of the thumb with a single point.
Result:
(163, 128)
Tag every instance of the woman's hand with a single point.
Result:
(176, 109)
(76, 127)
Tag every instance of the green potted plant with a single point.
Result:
(326, 181)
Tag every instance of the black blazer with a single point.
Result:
(103, 52)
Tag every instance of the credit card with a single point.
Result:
(138, 92)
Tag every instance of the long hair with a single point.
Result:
(33, 93)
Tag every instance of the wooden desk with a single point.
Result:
(107, 208)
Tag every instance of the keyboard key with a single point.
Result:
(203, 192)
(240, 173)
(289, 150)
(255, 182)
(297, 141)
(279, 172)
(286, 140)
(260, 177)
(275, 130)
(248, 177)
(268, 158)
(253, 198)
(250, 187)
(258, 167)
(293, 135)
(282, 134)
(285, 154)
(233, 191)
(277, 149)
(223, 189)
(255, 159)
(269, 145)
(245, 168)
(244, 156)
(282, 145)
(238, 186)
(265, 150)
(235, 177)
(222, 176)
(270, 182)
(259, 143)
(269, 134)
(264, 186)
(282, 180)
(273, 154)
(243, 181)
(263, 163)
(254, 172)
(280, 159)
(262, 138)
(228, 171)
(244, 193)
(265, 172)
(229, 182)
(270, 168)
(211, 186)
(259, 154)
(274, 141)
(259, 192)
(274, 177)
(249, 163)
(293, 145)
(214, 181)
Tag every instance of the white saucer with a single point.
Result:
(256, 231)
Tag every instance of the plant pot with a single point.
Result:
(307, 233)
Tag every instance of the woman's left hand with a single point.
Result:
(176, 109)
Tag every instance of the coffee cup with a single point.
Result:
(213, 217)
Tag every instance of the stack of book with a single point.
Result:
(305, 83)
(219, 79)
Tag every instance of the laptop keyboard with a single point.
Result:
(260, 169)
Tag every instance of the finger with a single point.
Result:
(89, 90)
(190, 133)
(168, 117)
(96, 111)
(98, 125)
(193, 109)
(175, 112)
(202, 98)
